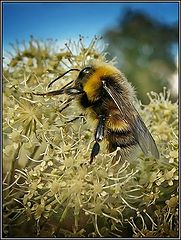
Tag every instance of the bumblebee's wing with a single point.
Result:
(140, 131)
(144, 138)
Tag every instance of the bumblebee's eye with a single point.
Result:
(84, 72)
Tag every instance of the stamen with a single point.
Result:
(96, 226)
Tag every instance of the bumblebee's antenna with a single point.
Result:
(73, 69)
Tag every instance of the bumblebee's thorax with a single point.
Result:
(94, 82)
(90, 79)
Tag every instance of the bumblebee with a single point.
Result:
(104, 92)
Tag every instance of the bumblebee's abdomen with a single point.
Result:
(123, 139)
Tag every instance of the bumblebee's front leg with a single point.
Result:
(99, 134)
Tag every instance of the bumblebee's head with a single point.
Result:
(83, 76)
(90, 79)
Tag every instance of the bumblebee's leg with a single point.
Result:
(99, 134)
(72, 120)
(95, 151)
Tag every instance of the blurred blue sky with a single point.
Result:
(63, 21)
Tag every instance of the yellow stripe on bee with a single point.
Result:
(91, 86)
(116, 124)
